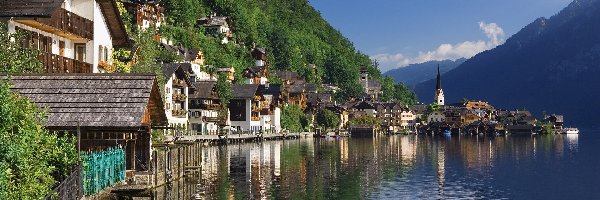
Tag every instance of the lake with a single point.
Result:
(399, 167)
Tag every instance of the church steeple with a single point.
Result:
(439, 80)
(439, 93)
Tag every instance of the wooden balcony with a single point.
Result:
(210, 119)
(210, 106)
(179, 83)
(58, 64)
(65, 24)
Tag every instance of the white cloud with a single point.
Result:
(465, 49)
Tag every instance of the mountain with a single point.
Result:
(414, 74)
(550, 65)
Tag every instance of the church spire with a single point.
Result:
(439, 80)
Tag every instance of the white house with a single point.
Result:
(407, 119)
(255, 108)
(72, 35)
(436, 116)
(176, 93)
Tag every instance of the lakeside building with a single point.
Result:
(204, 107)
(110, 110)
(73, 36)
(177, 76)
(257, 74)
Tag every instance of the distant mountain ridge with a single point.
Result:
(550, 65)
(414, 74)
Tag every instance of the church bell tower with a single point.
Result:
(439, 93)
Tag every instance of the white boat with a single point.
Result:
(570, 131)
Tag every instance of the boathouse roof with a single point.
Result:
(29, 8)
(104, 101)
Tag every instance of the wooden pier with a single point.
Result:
(236, 138)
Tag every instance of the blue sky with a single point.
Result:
(402, 32)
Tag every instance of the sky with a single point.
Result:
(397, 33)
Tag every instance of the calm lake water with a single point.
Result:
(399, 167)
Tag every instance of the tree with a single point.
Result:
(293, 119)
(327, 119)
(13, 57)
(405, 95)
(32, 159)
(368, 120)
(224, 91)
(388, 89)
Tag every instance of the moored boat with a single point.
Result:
(570, 131)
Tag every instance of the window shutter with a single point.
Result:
(99, 53)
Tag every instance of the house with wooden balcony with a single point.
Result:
(146, 13)
(204, 108)
(257, 74)
(217, 26)
(74, 36)
(177, 76)
(255, 108)
(108, 110)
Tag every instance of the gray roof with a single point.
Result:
(28, 8)
(95, 100)
(374, 84)
(243, 91)
(203, 90)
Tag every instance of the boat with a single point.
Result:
(570, 131)
(447, 133)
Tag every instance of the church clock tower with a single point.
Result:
(439, 93)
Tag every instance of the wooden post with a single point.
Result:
(78, 142)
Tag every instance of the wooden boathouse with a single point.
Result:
(109, 110)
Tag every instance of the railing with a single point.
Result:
(210, 119)
(59, 64)
(179, 97)
(210, 106)
(179, 113)
(178, 82)
(102, 169)
(70, 22)
(255, 118)
(71, 187)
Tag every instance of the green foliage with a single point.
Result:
(224, 91)
(327, 119)
(388, 89)
(404, 95)
(118, 57)
(32, 159)
(368, 120)
(293, 119)
(14, 58)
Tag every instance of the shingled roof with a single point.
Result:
(243, 91)
(203, 90)
(29, 8)
(105, 101)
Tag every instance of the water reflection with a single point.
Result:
(380, 168)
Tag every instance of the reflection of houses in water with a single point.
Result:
(441, 169)
(343, 151)
(408, 149)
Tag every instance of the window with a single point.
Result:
(79, 51)
(100, 53)
(168, 106)
(168, 90)
(105, 54)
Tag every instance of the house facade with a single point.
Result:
(75, 36)
(204, 107)
(177, 76)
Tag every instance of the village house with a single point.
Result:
(257, 74)
(204, 107)
(436, 116)
(390, 116)
(255, 108)
(244, 108)
(146, 13)
(557, 121)
(75, 36)
(362, 109)
(217, 25)
(110, 110)
(177, 76)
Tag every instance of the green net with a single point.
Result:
(102, 169)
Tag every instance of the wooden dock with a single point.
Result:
(234, 138)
